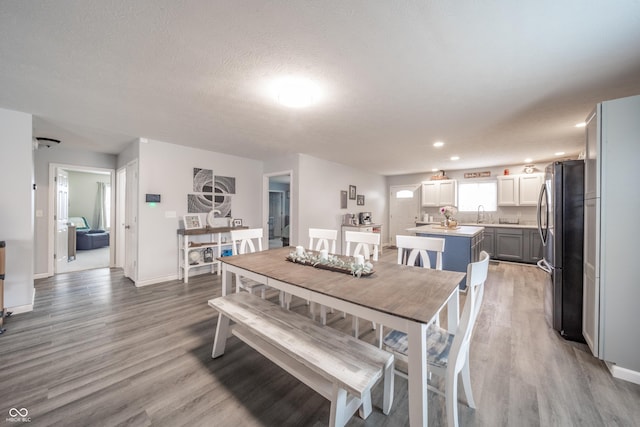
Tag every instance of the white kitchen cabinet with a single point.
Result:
(611, 292)
(440, 193)
(508, 187)
(529, 188)
(519, 190)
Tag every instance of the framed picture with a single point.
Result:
(343, 199)
(352, 192)
(237, 222)
(192, 222)
(360, 200)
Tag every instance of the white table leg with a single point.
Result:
(227, 281)
(453, 309)
(418, 410)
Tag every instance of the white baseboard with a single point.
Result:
(623, 373)
(41, 275)
(140, 283)
(23, 308)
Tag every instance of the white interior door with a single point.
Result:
(62, 218)
(131, 222)
(276, 211)
(404, 209)
(121, 203)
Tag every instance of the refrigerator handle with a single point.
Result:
(542, 194)
(544, 266)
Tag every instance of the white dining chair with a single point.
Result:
(247, 241)
(448, 354)
(362, 242)
(322, 239)
(415, 250)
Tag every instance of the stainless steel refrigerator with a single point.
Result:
(561, 227)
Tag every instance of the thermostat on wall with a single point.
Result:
(152, 198)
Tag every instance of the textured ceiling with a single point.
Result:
(498, 80)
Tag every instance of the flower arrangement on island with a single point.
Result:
(449, 212)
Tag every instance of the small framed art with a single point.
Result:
(343, 199)
(360, 201)
(237, 222)
(352, 192)
(192, 222)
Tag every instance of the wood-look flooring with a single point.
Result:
(96, 350)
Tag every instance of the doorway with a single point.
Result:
(404, 209)
(82, 203)
(278, 209)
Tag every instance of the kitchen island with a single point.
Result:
(462, 244)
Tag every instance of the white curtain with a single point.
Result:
(103, 206)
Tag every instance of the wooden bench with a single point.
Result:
(336, 365)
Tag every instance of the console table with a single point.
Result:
(187, 243)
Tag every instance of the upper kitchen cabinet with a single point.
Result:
(440, 192)
(519, 190)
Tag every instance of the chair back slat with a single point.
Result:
(417, 248)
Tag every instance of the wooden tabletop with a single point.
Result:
(408, 292)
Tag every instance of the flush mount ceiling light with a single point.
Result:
(560, 153)
(296, 92)
(438, 144)
(528, 160)
(581, 125)
(47, 142)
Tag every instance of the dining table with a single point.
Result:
(397, 296)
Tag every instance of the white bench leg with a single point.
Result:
(355, 324)
(366, 408)
(389, 375)
(222, 332)
(338, 407)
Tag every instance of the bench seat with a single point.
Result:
(334, 364)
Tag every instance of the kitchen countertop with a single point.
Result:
(463, 231)
(524, 226)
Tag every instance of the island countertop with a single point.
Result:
(462, 231)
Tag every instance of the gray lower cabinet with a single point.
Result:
(510, 244)
(489, 242)
(513, 244)
(533, 246)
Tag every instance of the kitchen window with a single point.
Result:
(473, 194)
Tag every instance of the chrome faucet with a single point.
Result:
(480, 218)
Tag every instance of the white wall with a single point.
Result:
(64, 156)
(16, 209)
(320, 182)
(167, 169)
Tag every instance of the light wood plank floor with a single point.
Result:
(98, 351)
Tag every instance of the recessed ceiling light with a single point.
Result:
(455, 158)
(296, 92)
(438, 144)
(560, 153)
(581, 125)
(528, 160)
(435, 170)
